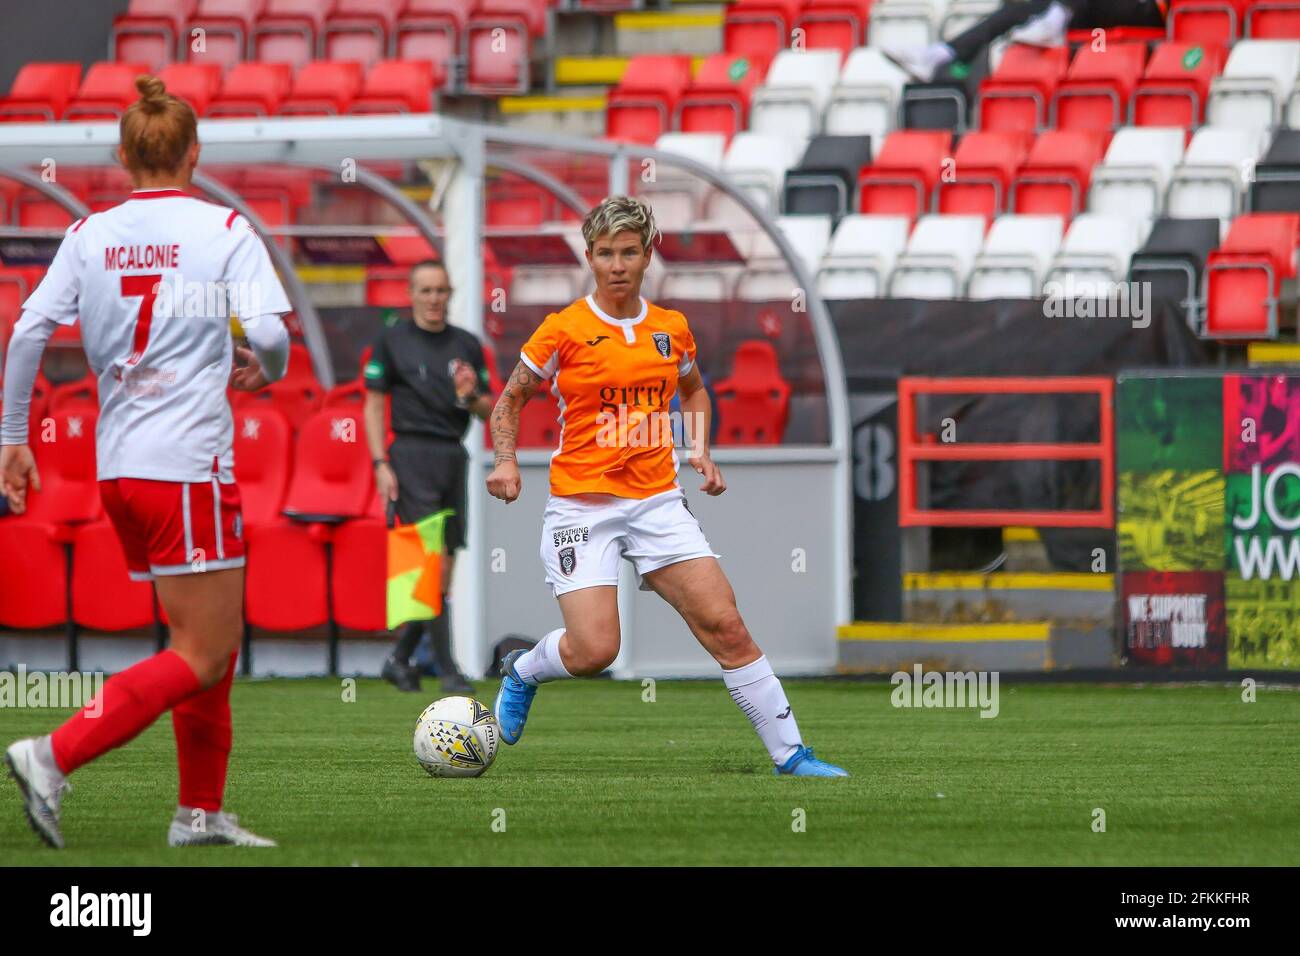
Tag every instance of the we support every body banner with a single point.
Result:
(1209, 519)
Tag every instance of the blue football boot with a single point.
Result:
(804, 764)
(513, 699)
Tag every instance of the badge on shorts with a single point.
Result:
(663, 343)
(568, 561)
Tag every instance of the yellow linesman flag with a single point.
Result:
(415, 570)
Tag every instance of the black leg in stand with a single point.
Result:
(246, 655)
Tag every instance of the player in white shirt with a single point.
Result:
(155, 282)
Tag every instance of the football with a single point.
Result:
(456, 737)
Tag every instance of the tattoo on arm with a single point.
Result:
(504, 423)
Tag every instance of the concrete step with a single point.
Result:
(1011, 646)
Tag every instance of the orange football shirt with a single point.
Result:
(614, 379)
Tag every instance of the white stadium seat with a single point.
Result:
(677, 196)
(756, 163)
(961, 15)
(865, 100)
(1131, 180)
(901, 23)
(544, 285)
(861, 256)
(794, 97)
(938, 258)
(767, 276)
(1095, 255)
(1214, 173)
(1254, 85)
(1015, 257)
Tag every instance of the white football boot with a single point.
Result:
(42, 790)
(1048, 29)
(216, 829)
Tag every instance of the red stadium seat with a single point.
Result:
(1273, 20)
(520, 204)
(754, 402)
(33, 574)
(1207, 21)
(287, 31)
(104, 598)
(539, 421)
(835, 24)
(64, 448)
(106, 92)
(1098, 86)
(1243, 277)
(1174, 89)
(407, 250)
(1016, 95)
(400, 86)
(196, 83)
(227, 26)
(348, 395)
(900, 181)
(982, 170)
(81, 391)
(387, 287)
(759, 27)
(323, 88)
(253, 89)
(149, 32)
(430, 30)
(42, 214)
(498, 44)
(285, 587)
(332, 477)
(263, 451)
(1054, 178)
(642, 106)
(358, 30)
(40, 91)
(359, 575)
(717, 100)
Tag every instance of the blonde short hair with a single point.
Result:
(616, 214)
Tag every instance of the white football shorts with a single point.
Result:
(585, 536)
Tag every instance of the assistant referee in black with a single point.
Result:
(436, 377)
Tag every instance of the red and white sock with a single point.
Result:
(203, 736)
(129, 702)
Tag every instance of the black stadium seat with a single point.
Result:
(824, 181)
(1174, 258)
(1277, 176)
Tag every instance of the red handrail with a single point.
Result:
(911, 449)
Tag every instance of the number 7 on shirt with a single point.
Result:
(147, 288)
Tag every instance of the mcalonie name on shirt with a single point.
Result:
(103, 909)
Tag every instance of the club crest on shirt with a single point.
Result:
(568, 561)
(663, 343)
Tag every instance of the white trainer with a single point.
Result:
(216, 829)
(42, 790)
(918, 62)
(1047, 29)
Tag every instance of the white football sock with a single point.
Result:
(45, 754)
(758, 693)
(543, 663)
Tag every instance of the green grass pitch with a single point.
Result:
(1186, 775)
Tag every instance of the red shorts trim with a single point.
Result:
(173, 527)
